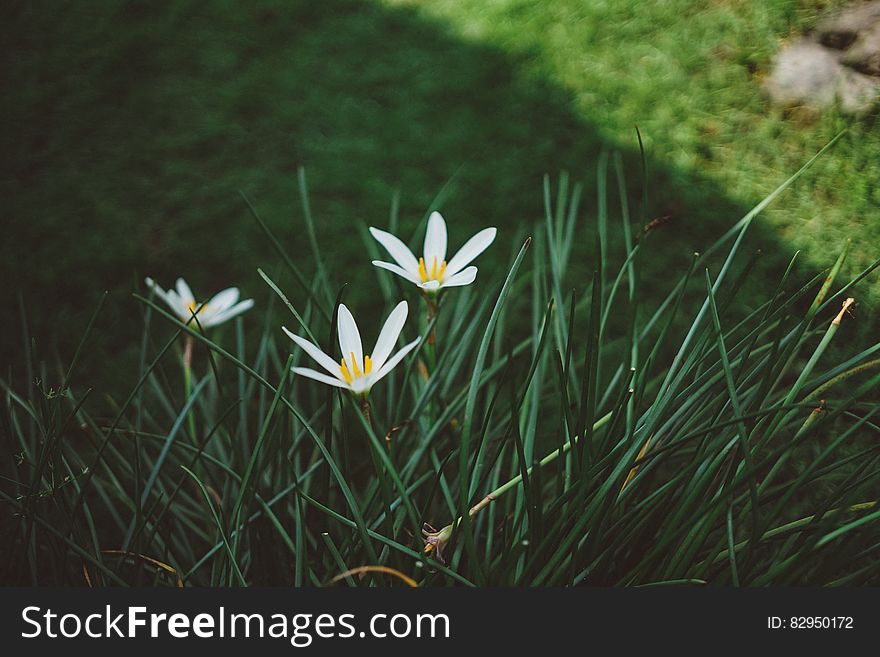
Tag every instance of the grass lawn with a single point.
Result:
(129, 128)
(582, 434)
(689, 73)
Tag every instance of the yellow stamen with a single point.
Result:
(348, 375)
(344, 369)
(435, 275)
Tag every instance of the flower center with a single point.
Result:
(435, 274)
(350, 376)
(195, 307)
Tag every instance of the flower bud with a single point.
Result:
(435, 540)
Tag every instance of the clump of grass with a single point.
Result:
(543, 431)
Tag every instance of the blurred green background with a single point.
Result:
(128, 129)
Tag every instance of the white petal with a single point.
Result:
(397, 269)
(215, 318)
(350, 340)
(178, 306)
(388, 335)
(465, 277)
(471, 249)
(167, 297)
(435, 242)
(430, 285)
(396, 249)
(153, 285)
(318, 376)
(394, 360)
(317, 355)
(183, 291)
(223, 300)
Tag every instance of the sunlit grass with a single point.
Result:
(689, 74)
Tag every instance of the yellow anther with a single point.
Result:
(344, 369)
(435, 274)
(355, 372)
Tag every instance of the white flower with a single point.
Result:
(432, 272)
(357, 371)
(220, 308)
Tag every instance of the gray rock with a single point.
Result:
(839, 64)
(864, 54)
(804, 73)
(808, 74)
(857, 93)
(842, 30)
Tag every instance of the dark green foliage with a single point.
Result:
(692, 445)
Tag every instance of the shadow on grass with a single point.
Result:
(129, 128)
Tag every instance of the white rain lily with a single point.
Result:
(221, 307)
(357, 371)
(432, 272)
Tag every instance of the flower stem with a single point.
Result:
(796, 388)
(552, 456)
(430, 314)
(384, 483)
(430, 349)
(365, 409)
(843, 376)
(187, 383)
(367, 412)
